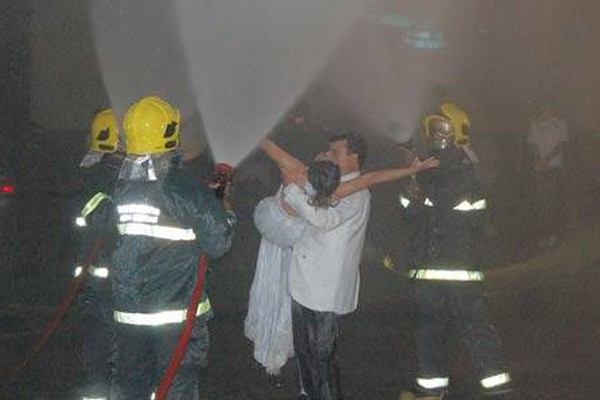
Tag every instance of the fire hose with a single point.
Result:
(62, 310)
(186, 334)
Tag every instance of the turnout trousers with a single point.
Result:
(143, 357)
(548, 200)
(445, 309)
(98, 338)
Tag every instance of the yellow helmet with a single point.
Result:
(152, 126)
(460, 122)
(104, 132)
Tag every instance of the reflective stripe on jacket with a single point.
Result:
(159, 318)
(446, 275)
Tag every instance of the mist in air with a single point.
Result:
(236, 67)
(233, 67)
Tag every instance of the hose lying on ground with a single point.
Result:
(62, 310)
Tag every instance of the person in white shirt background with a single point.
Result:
(548, 136)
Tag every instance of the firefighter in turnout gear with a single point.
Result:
(166, 219)
(99, 169)
(446, 265)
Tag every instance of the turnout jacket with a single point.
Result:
(455, 202)
(417, 216)
(95, 211)
(164, 225)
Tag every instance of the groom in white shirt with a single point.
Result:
(324, 270)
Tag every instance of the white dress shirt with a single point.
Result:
(324, 267)
(545, 134)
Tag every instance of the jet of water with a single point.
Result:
(233, 67)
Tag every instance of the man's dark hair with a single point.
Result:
(324, 176)
(356, 144)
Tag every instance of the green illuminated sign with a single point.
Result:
(420, 34)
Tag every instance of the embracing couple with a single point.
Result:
(307, 273)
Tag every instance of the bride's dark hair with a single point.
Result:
(324, 176)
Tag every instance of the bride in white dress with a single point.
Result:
(269, 320)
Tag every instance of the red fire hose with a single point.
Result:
(186, 334)
(62, 310)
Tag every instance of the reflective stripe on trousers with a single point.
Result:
(433, 383)
(495, 380)
(489, 382)
(159, 318)
(98, 272)
(446, 275)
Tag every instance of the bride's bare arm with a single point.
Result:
(289, 165)
(284, 159)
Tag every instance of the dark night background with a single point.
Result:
(506, 56)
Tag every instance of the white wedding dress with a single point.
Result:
(269, 320)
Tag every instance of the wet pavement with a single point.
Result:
(549, 328)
